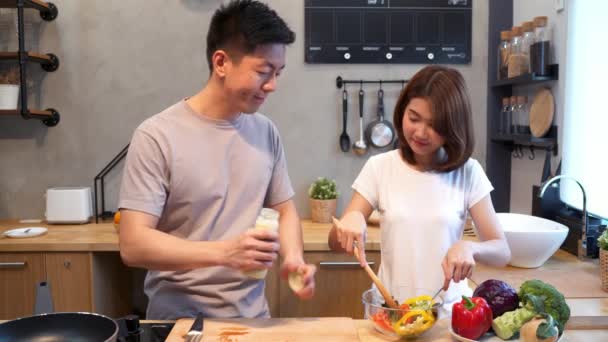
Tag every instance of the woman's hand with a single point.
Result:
(350, 230)
(458, 263)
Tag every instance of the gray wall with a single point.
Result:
(122, 63)
(525, 172)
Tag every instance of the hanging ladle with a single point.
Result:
(344, 138)
(360, 147)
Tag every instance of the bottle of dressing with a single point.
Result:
(268, 220)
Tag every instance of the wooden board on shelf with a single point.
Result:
(541, 112)
(37, 112)
(28, 4)
(34, 56)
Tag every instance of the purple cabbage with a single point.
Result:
(501, 297)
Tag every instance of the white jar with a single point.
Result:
(268, 220)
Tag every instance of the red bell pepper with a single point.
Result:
(471, 318)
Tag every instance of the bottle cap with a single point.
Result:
(528, 26)
(516, 31)
(540, 21)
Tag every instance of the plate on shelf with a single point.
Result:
(488, 337)
(26, 232)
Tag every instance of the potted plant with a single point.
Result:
(603, 244)
(323, 197)
(9, 88)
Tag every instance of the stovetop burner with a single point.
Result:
(131, 330)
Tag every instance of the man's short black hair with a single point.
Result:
(242, 25)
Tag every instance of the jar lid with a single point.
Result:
(505, 100)
(540, 21)
(269, 213)
(516, 31)
(505, 35)
(528, 26)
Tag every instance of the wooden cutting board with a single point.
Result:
(541, 112)
(330, 329)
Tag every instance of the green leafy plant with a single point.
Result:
(323, 189)
(603, 240)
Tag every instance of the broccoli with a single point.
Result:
(537, 297)
(508, 324)
(553, 300)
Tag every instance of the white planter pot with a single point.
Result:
(9, 96)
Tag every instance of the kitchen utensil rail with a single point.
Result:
(342, 82)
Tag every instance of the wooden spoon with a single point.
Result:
(383, 291)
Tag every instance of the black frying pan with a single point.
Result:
(55, 327)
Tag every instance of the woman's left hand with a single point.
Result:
(458, 263)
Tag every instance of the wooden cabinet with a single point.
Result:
(339, 283)
(272, 289)
(19, 275)
(69, 275)
(79, 281)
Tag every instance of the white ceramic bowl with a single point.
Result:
(533, 240)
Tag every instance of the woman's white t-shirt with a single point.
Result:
(422, 214)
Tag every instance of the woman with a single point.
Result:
(423, 191)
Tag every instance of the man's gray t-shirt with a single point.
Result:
(206, 180)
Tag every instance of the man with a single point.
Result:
(198, 173)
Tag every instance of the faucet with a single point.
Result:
(582, 243)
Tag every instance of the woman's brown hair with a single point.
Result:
(445, 90)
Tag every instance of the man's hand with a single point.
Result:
(308, 276)
(252, 250)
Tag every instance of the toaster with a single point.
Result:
(68, 205)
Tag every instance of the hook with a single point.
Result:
(380, 84)
(532, 155)
(361, 84)
(515, 152)
(402, 84)
(518, 152)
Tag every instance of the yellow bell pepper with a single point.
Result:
(417, 302)
(424, 319)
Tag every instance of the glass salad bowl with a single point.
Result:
(415, 316)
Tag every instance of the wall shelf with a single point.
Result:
(500, 148)
(548, 142)
(49, 116)
(48, 11)
(49, 62)
(528, 79)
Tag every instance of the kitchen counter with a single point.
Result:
(575, 278)
(102, 237)
(440, 333)
(366, 333)
(332, 328)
